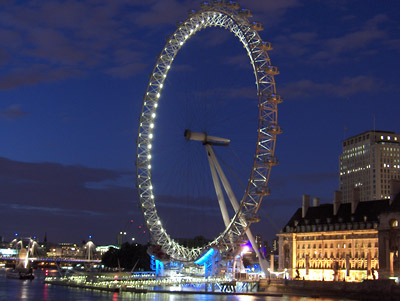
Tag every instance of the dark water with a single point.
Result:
(15, 289)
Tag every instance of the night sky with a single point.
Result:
(72, 79)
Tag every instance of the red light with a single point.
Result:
(140, 227)
(144, 231)
(131, 220)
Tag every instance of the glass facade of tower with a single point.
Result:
(367, 165)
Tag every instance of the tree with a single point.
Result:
(129, 256)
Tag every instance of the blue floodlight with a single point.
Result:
(206, 257)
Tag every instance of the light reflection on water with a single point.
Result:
(15, 289)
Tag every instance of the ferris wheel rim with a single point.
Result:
(216, 14)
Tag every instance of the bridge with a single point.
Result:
(53, 259)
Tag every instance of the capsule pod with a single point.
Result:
(272, 70)
(245, 12)
(275, 98)
(267, 46)
(233, 5)
(274, 129)
(271, 160)
(257, 26)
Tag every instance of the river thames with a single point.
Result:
(15, 289)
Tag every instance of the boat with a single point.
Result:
(20, 274)
(23, 266)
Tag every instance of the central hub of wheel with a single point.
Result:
(206, 139)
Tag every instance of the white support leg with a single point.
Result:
(218, 190)
(208, 141)
(235, 205)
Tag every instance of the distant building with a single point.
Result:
(64, 250)
(368, 164)
(352, 241)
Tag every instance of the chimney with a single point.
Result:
(355, 200)
(306, 204)
(394, 189)
(336, 201)
(315, 202)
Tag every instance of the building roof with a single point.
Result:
(365, 216)
(371, 131)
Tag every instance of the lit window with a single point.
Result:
(394, 223)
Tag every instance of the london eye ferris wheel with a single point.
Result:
(230, 17)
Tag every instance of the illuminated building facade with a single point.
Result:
(342, 241)
(368, 164)
(64, 250)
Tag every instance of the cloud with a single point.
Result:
(313, 48)
(348, 86)
(127, 70)
(44, 192)
(53, 46)
(36, 73)
(69, 202)
(52, 40)
(362, 40)
(354, 40)
(242, 61)
(13, 112)
(4, 56)
(270, 11)
(128, 62)
(295, 44)
(51, 210)
(393, 44)
(165, 12)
